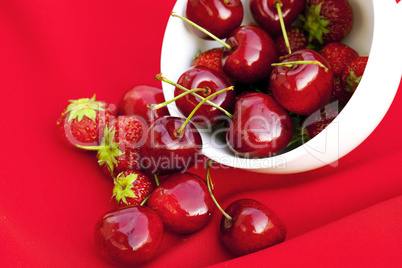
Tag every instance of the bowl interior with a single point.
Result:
(340, 137)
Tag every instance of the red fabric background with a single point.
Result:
(53, 51)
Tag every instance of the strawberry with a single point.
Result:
(327, 21)
(338, 55)
(318, 121)
(131, 187)
(353, 72)
(340, 94)
(212, 59)
(297, 40)
(83, 121)
(119, 149)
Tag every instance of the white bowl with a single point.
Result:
(373, 35)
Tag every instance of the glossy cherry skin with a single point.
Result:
(303, 88)
(207, 115)
(260, 127)
(219, 17)
(183, 203)
(135, 101)
(266, 14)
(129, 235)
(254, 227)
(165, 151)
(251, 55)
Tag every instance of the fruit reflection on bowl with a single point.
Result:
(365, 110)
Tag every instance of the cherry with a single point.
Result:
(266, 14)
(250, 55)
(173, 144)
(260, 127)
(303, 82)
(248, 52)
(167, 151)
(252, 227)
(129, 235)
(183, 203)
(203, 77)
(247, 225)
(220, 17)
(135, 101)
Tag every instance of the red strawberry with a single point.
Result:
(338, 55)
(318, 121)
(119, 150)
(131, 187)
(212, 59)
(340, 94)
(84, 120)
(328, 21)
(297, 40)
(353, 72)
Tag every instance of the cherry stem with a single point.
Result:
(203, 30)
(199, 105)
(210, 188)
(161, 105)
(159, 77)
(278, 4)
(291, 64)
(156, 180)
(145, 200)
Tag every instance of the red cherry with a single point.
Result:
(260, 127)
(183, 203)
(201, 77)
(252, 227)
(129, 235)
(299, 87)
(219, 17)
(135, 101)
(266, 14)
(167, 151)
(251, 54)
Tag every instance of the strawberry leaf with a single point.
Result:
(314, 23)
(123, 187)
(77, 109)
(109, 149)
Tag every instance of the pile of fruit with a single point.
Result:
(267, 87)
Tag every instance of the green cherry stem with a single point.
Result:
(291, 64)
(145, 200)
(205, 90)
(159, 77)
(156, 180)
(278, 4)
(210, 187)
(203, 30)
(199, 105)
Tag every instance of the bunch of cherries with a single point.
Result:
(249, 91)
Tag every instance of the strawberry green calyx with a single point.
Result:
(109, 150)
(77, 109)
(314, 23)
(122, 187)
(352, 81)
